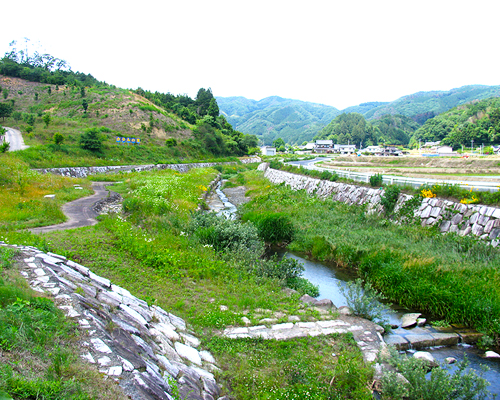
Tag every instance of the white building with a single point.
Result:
(268, 151)
(323, 146)
(344, 148)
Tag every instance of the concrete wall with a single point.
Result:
(464, 219)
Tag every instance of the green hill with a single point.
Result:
(293, 120)
(478, 121)
(42, 101)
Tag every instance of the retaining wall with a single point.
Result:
(464, 219)
(82, 172)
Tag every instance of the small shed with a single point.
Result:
(268, 151)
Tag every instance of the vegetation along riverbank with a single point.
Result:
(453, 278)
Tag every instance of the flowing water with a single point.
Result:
(329, 278)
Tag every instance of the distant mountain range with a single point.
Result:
(296, 121)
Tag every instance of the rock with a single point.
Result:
(491, 354)
(188, 352)
(409, 320)
(344, 310)
(450, 360)
(427, 357)
(308, 299)
(325, 304)
(421, 321)
(246, 321)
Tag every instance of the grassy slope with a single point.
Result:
(113, 111)
(159, 263)
(452, 278)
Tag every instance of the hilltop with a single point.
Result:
(71, 119)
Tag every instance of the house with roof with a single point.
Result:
(323, 146)
(344, 148)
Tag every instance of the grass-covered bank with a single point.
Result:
(39, 356)
(22, 191)
(453, 278)
(165, 253)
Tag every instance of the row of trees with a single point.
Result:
(43, 68)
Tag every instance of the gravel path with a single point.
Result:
(79, 212)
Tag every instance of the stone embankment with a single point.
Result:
(82, 172)
(464, 219)
(146, 349)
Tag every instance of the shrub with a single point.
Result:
(226, 235)
(364, 302)
(91, 141)
(376, 180)
(461, 383)
(390, 198)
(273, 227)
(58, 138)
(171, 142)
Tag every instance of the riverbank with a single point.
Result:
(453, 278)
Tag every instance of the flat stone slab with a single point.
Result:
(420, 341)
(399, 342)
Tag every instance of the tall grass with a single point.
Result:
(454, 278)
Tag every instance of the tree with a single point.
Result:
(82, 92)
(91, 141)
(5, 110)
(46, 119)
(5, 93)
(213, 108)
(85, 105)
(279, 142)
(58, 138)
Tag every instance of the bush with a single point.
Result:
(462, 383)
(273, 227)
(226, 235)
(390, 198)
(91, 141)
(364, 302)
(376, 180)
(171, 142)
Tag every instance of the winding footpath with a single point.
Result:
(14, 137)
(79, 212)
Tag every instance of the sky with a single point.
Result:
(338, 53)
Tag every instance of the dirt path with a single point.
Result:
(79, 212)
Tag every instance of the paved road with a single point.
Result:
(402, 180)
(14, 137)
(79, 212)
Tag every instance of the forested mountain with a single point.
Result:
(364, 108)
(424, 105)
(478, 121)
(293, 120)
(297, 121)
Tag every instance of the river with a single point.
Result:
(328, 278)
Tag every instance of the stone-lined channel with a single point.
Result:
(328, 278)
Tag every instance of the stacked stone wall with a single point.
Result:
(83, 172)
(464, 219)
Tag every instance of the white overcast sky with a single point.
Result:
(339, 53)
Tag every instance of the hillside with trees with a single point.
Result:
(293, 120)
(424, 105)
(297, 121)
(478, 121)
(355, 129)
(56, 108)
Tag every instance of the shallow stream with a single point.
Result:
(328, 278)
